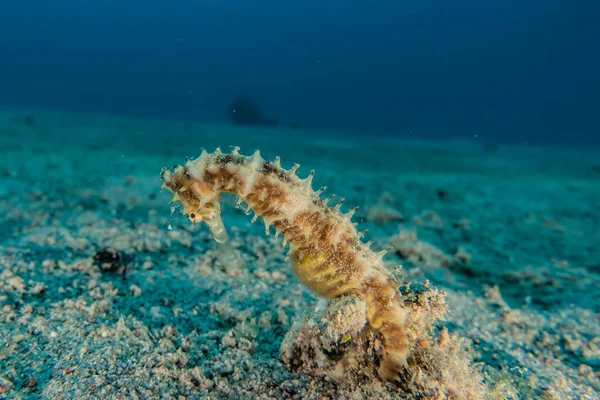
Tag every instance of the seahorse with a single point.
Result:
(327, 253)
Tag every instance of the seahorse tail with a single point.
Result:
(395, 345)
(386, 314)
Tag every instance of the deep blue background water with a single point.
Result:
(516, 70)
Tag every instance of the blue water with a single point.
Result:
(518, 71)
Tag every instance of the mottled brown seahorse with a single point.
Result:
(327, 253)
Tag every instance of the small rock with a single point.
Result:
(381, 213)
(109, 259)
(135, 290)
(30, 383)
(18, 338)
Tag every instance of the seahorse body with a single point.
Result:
(326, 251)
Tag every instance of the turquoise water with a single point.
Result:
(523, 71)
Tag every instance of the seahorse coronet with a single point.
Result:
(327, 253)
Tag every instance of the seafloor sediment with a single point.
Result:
(103, 292)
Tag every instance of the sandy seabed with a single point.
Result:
(104, 293)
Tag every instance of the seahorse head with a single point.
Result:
(199, 199)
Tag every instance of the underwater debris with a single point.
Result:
(334, 347)
(244, 111)
(109, 259)
(382, 213)
(408, 246)
(28, 120)
(327, 253)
